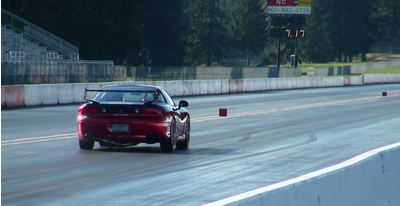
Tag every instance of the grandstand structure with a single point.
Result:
(32, 55)
(22, 40)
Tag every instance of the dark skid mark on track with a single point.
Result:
(134, 149)
(198, 151)
(156, 150)
(241, 157)
(206, 151)
(245, 138)
(312, 138)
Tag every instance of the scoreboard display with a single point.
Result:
(300, 3)
(288, 33)
(288, 7)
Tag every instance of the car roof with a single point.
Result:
(141, 88)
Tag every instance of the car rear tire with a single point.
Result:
(87, 143)
(169, 145)
(184, 145)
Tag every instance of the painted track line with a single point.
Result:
(38, 139)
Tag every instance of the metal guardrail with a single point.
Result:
(207, 73)
(67, 62)
(63, 71)
(96, 62)
(60, 46)
(41, 35)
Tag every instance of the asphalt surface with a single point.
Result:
(266, 138)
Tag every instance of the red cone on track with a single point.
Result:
(223, 112)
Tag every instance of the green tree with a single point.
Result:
(318, 43)
(248, 27)
(163, 28)
(355, 27)
(228, 7)
(339, 28)
(365, 31)
(386, 17)
(206, 35)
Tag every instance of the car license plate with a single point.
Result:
(119, 127)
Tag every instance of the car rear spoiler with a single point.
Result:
(90, 90)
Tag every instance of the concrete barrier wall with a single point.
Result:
(203, 87)
(252, 85)
(369, 179)
(294, 83)
(353, 80)
(3, 98)
(377, 78)
(51, 94)
(43, 94)
(187, 88)
(32, 95)
(235, 85)
(65, 93)
(12, 96)
(78, 92)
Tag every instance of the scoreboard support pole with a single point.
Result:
(295, 53)
(279, 55)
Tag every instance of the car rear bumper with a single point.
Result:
(139, 131)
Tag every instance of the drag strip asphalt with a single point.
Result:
(267, 138)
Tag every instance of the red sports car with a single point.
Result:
(129, 115)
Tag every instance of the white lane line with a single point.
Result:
(34, 141)
(208, 118)
(302, 178)
(38, 139)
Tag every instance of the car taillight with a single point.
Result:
(84, 110)
(81, 109)
(151, 111)
(94, 110)
(81, 112)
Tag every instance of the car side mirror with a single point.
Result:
(183, 103)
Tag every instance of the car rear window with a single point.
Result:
(114, 96)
